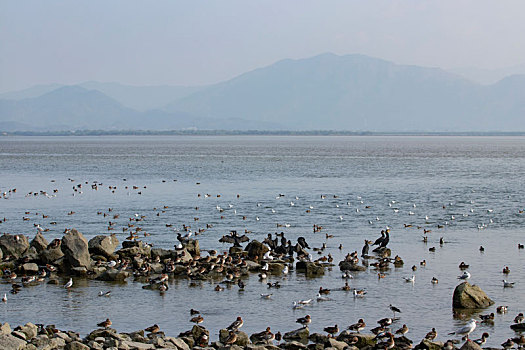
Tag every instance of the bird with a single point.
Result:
(508, 344)
(434, 280)
(482, 340)
(266, 296)
(4, 299)
(305, 321)
(331, 330)
(507, 284)
(153, 329)
(322, 298)
(506, 270)
(69, 284)
(487, 318)
(197, 319)
(359, 326)
(359, 293)
(466, 275)
(384, 322)
(232, 338)
(105, 324)
(466, 329)
(403, 330)
(394, 310)
(502, 309)
(431, 335)
(194, 312)
(104, 294)
(236, 324)
(519, 318)
(410, 279)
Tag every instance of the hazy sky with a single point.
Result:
(199, 42)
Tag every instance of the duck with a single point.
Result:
(331, 330)
(235, 325)
(105, 323)
(519, 318)
(434, 280)
(359, 326)
(481, 341)
(502, 309)
(232, 338)
(431, 335)
(506, 270)
(403, 330)
(305, 321)
(463, 265)
(197, 319)
(487, 318)
(324, 291)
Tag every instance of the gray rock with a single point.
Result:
(19, 334)
(429, 345)
(133, 345)
(80, 271)
(30, 330)
(363, 340)
(467, 296)
(275, 268)
(470, 345)
(75, 249)
(293, 345)
(60, 343)
(39, 243)
(310, 269)
(76, 345)
(50, 254)
(114, 275)
(300, 334)
(103, 245)
(339, 345)
(5, 328)
(14, 245)
(31, 255)
(242, 338)
(192, 246)
(9, 342)
(179, 343)
(103, 333)
(161, 253)
(256, 250)
(348, 266)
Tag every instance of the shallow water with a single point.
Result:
(479, 180)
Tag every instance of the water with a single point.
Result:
(479, 180)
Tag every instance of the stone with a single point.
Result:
(198, 331)
(348, 266)
(518, 327)
(5, 328)
(192, 246)
(14, 245)
(339, 345)
(76, 345)
(429, 345)
(9, 342)
(363, 340)
(103, 333)
(318, 338)
(470, 345)
(293, 345)
(31, 255)
(133, 345)
(161, 253)
(256, 250)
(75, 249)
(179, 343)
(300, 334)
(103, 245)
(467, 296)
(19, 334)
(50, 254)
(235, 250)
(30, 346)
(275, 268)
(310, 269)
(242, 338)
(30, 330)
(39, 243)
(114, 275)
(60, 343)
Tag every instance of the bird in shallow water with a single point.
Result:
(487, 318)
(394, 310)
(466, 329)
(434, 280)
(69, 284)
(507, 284)
(4, 298)
(481, 341)
(410, 279)
(502, 309)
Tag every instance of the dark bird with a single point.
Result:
(236, 324)
(305, 321)
(394, 310)
(153, 329)
(332, 330)
(105, 324)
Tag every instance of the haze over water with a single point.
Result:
(478, 180)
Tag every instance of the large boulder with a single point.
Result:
(470, 345)
(310, 269)
(14, 245)
(30, 268)
(51, 254)
(75, 249)
(114, 275)
(348, 266)
(256, 250)
(242, 338)
(39, 243)
(103, 245)
(9, 342)
(301, 335)
(192, 246)
(467, 296)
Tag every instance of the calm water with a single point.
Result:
(480, 180)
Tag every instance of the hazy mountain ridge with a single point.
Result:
(325, 92)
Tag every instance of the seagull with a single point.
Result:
(466, 275)
(322, 298)
(305, 301)
(104, 294)
(266, 296)
(4, 299)
(410, 279)
(507, 284)
(69, 284)
(285, 270)
(466, 329)
(296, 305)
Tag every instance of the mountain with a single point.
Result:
(488, 76)
(77, 108)
(356, 92)
(141, 98)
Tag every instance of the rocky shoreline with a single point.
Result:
(40, 337)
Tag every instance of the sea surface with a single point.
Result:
(472, 186)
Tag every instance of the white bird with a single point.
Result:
(304, 302)
(266, 296)
(410, 213)
(273, 210)
(257, 218)
(322, 298)
(39, 229)
(296, 305)
(410, 279)
(4, 299)
(466, 275)
(347, 275)
(265, 267)
(466, 329)
(69, 284)
(311, 207)
(508, 284)
(357, 210)
(285, 270)
(112, 263)
(396, 210)
(341, 217)
(414, 205)
(292, 204)
(268, 255)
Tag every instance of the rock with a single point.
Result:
(293, 345)
(470, 345)
(467, 296)
(132, 345)
(179, 343)
(75, 249)
(30, 330)
(50, 254)
(39, 243)
(1, 255)
(363, 340)
(9, 342)
(300, 334)
(103, 245)
(429, 345)
(31, 255)
(198, 331)
(42, 342)
(103, 333)
(114, 275)
(235, 250)
(348, 266)
(318, 338)
(275, 268)
(256, 250)
(14, 245)
(311, 269)
(30, 268)
(192, 246)
(5, 328)
(518, 327)
(339, 345)
(76, 345)
(161, 253)
(19, 334)
(80, 271)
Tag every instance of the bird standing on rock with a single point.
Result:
(359, 326)
(236, 324)
(305, 321)
(105, 324)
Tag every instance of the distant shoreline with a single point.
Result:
(252, 133)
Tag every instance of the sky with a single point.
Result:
(194, 42)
